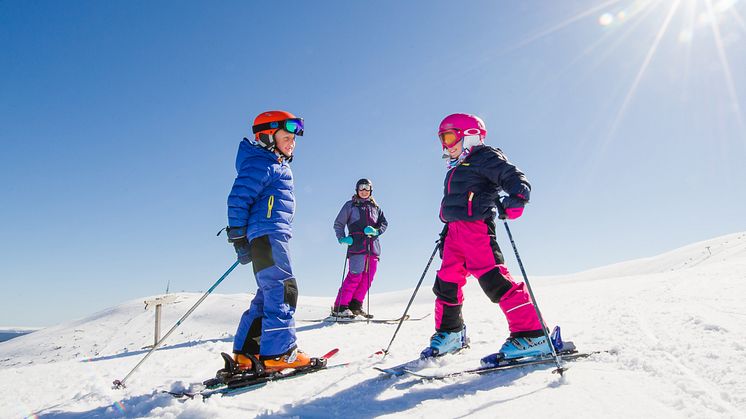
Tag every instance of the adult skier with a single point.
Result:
(260, 210)
(365, 223)
(476, 174)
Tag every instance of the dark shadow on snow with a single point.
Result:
(363, 399)
(134, 407)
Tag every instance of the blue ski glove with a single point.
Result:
(346, 240)
(237, 236)
(370, 231)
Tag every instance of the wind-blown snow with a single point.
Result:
(675, 323)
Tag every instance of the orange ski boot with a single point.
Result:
(294, 359)
(243, 362)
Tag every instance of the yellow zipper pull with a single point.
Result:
(270, 204)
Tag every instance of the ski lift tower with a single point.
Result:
(158, 302)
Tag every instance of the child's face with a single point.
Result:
(456, 150)
(285, 142)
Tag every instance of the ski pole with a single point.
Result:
(344, 268)
(367, 273)
(401, 320)
(559, 369)
(120, 383)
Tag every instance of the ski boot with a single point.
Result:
(342, 312)
(295, 359)
(442, 343)
(356, 307)
(528, 345)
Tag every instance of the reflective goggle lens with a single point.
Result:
(449, 138)
(363, 187)
(294, 126)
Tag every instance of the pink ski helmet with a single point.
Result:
(461, 126)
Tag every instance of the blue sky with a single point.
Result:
(120, 122)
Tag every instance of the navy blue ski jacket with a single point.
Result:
(262, 196)
(472, 187)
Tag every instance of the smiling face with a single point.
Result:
(363, 193)
(456, 149)
(285, 142)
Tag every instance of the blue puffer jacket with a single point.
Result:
(471, 188)
(262, 195)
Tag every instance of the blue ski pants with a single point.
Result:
(267, 328)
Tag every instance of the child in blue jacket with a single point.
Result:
(260, 210)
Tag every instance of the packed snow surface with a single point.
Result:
(673, 326)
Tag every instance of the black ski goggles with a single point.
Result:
(293, 126)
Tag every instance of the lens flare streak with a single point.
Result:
(643, 67)
(724, 62)
(562, 25)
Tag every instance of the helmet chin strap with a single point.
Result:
(267, 141)
(282, 156)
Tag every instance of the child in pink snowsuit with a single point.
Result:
(365, 222)
(476, 174)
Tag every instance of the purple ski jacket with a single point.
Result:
(356, 214)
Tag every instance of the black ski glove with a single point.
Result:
(237, 236)
(442, 240)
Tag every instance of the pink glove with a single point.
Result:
(513, 213)
(512, 207)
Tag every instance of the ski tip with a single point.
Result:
(330, 353)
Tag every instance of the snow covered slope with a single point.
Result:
(676, 324)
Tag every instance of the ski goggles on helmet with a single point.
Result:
(293, 126)
(449, 138)
(364, 187)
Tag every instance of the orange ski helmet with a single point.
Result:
(267, 123)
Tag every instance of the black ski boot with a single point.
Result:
(356, 307)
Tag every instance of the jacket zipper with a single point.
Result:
(469, 207)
